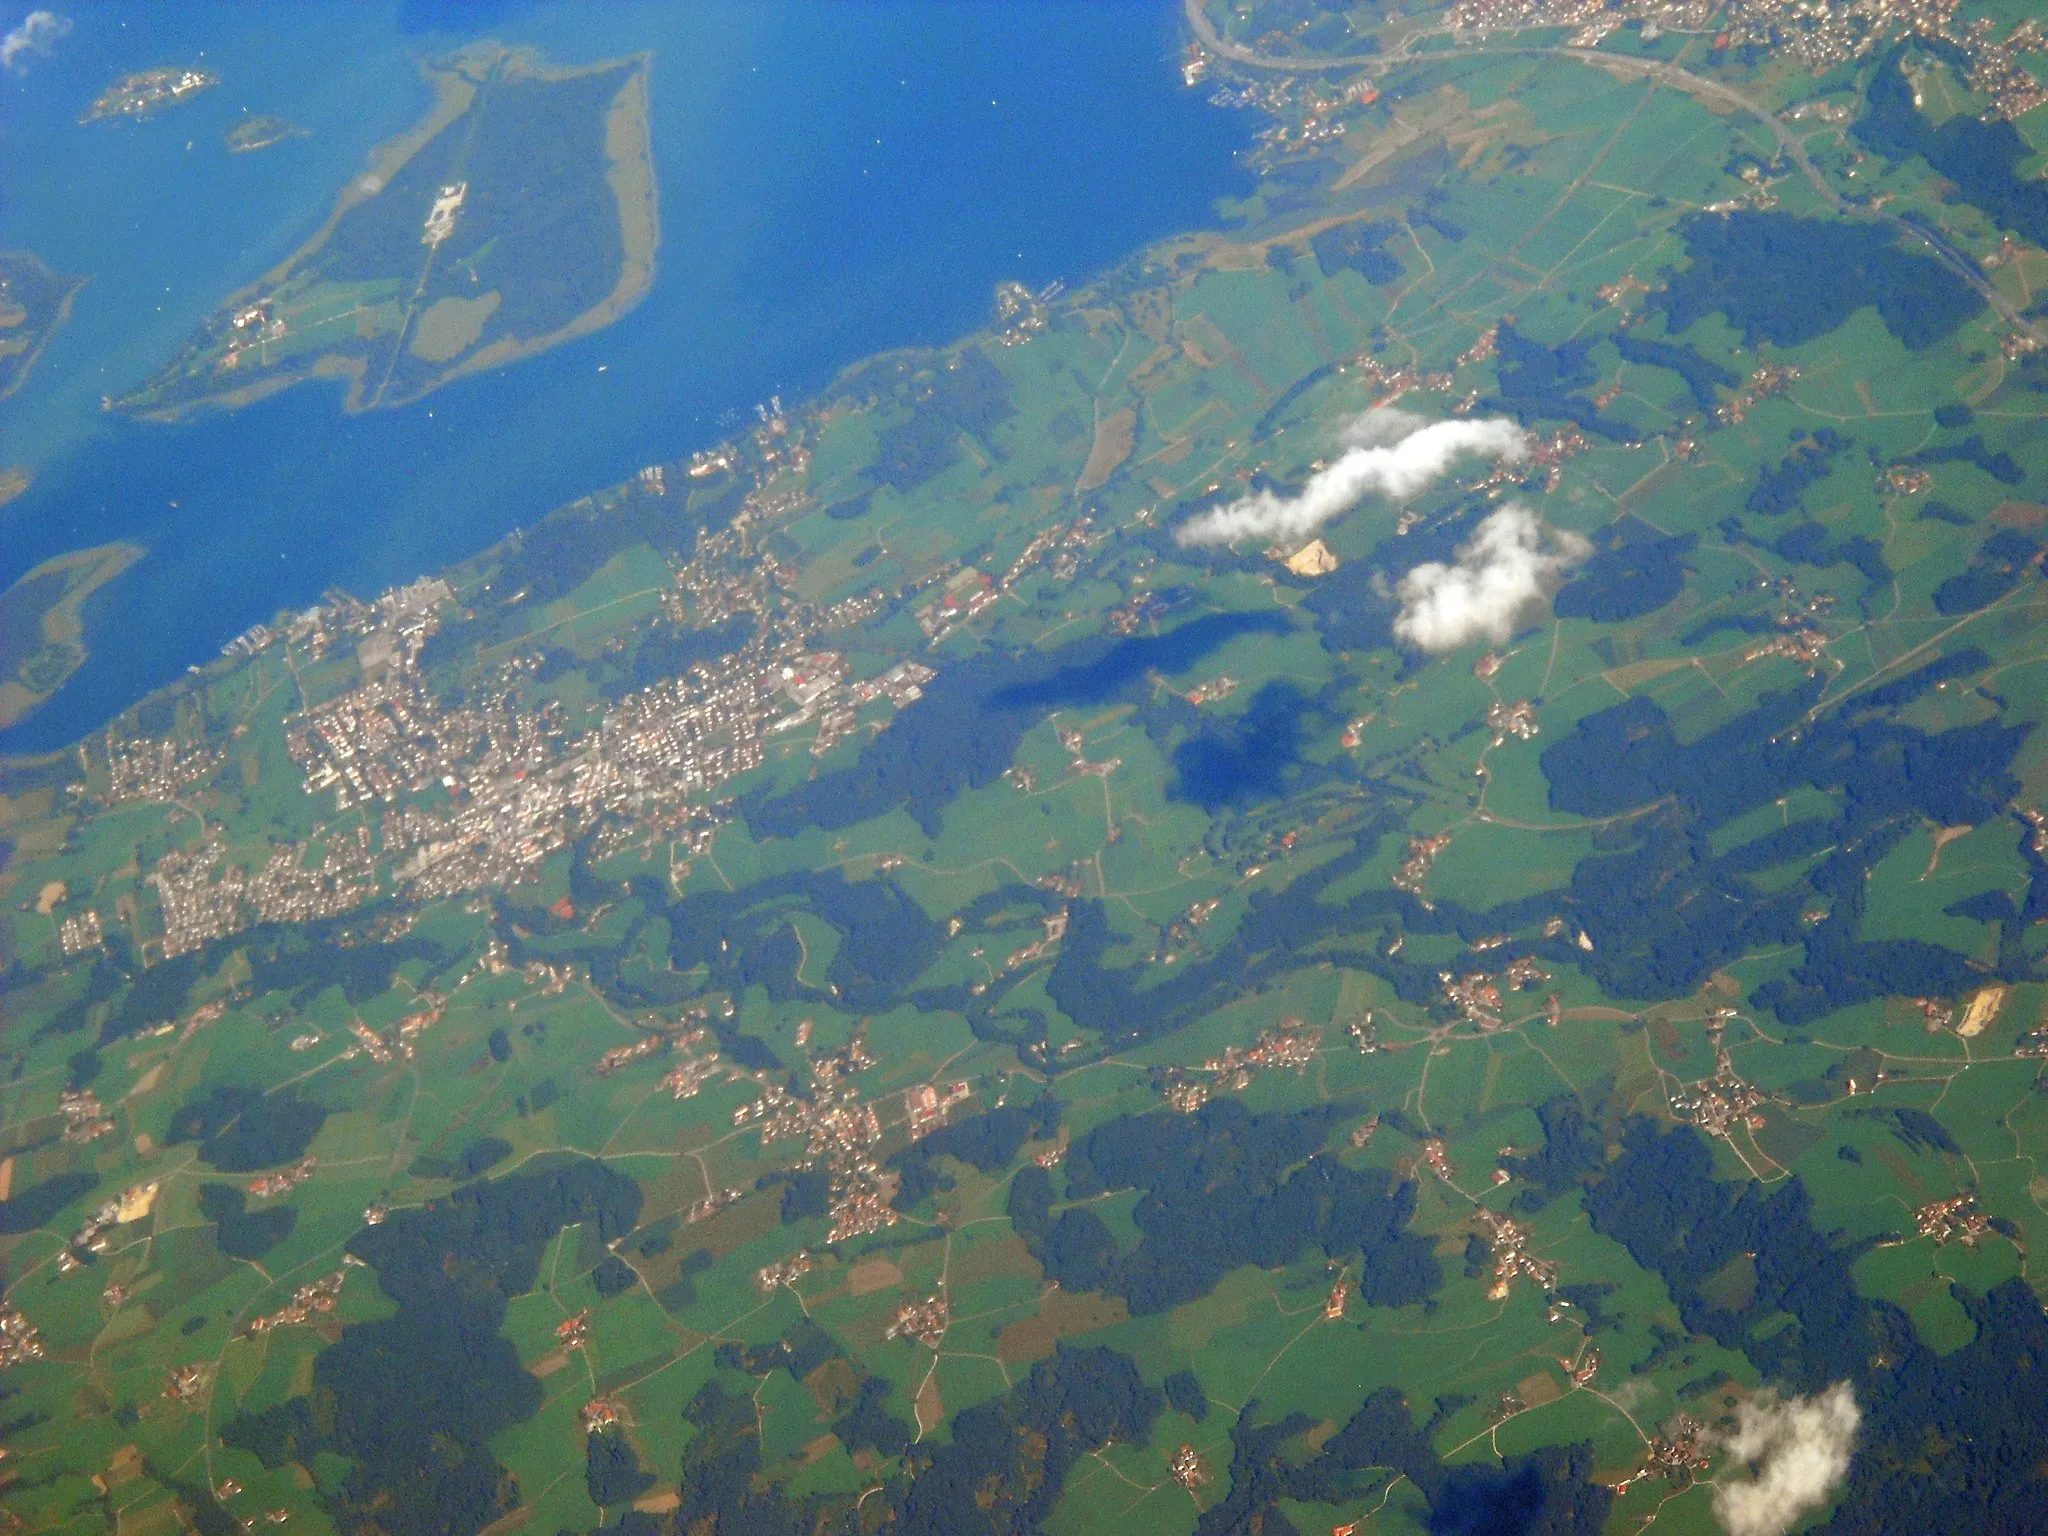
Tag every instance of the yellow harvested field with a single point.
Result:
(1982, 1010)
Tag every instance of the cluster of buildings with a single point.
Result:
(203, 896)
(1954, 1220)
(1475, 996)
(1413, 875)
(1179, 935)
(1077, 759)
(1763, 383)
(1995, 69)
(441, 217)
(1021, 314)
(682, 739)
(1517, 720)
(1310, 124)
(132, 1204)
(965, 595)
(711, 1205)
(149, 92)
(574, 1332)
(1818, 35)
(188, 1383)
(693, 1067)
(285, 1180)
(315, 1298)
(251, 328)
(625, 1055)
(389, 738)
(1512, 1260)
(1677, 1453)
(1290, 1043)
(1026, 954)
(924, 1321)
(19, 1339)
(370, 1043)
(1624, 293)
(925, 1107)
(688, 1076)
(782, 1272)
(80, 932)
(479, 792)
(1256, 93)
(155, 769)
(1139, 609)
(840, 1131)
(1717, 1104)
(1756, 194)
(1436, 1160)
(1509, 1404)
(1335, 1302)
(1800, 644)
(1062, 544)
(85, 1119)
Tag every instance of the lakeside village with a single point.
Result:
(471, 796)
(444, 799)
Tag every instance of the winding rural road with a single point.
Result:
(1679, 79)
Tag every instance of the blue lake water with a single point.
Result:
(834, 180)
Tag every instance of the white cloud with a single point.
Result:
(36, 33)
(1393, 454)
(1513, 563)
(1797, 1449)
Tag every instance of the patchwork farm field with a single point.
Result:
(885, 976)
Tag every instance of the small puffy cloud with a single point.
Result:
(37, 32)
(1797, 1450)
(1513, 563)
(1391, 453)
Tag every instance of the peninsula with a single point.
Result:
(435, 262)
